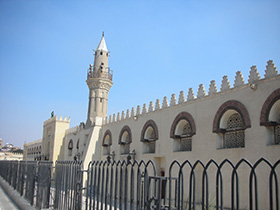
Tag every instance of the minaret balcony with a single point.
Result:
(108, 74)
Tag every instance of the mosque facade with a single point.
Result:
(234, 122)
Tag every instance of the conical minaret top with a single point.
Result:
(102, 44)
(99, 81)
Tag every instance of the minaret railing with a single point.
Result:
(100, 73)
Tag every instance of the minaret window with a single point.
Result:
(101, 53)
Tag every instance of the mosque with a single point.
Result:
(234, 122)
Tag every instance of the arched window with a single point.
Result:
(107, 142)
(270, 117)
(149, 135)
(230, 122)
(78, 144)
(182, 130)
(234, 135)
(70, 147)
(124, 140)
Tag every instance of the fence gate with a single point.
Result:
(155, 194)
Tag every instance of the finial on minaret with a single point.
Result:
(103, 33)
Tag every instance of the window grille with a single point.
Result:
(125, 149)
(106, 149)
(234, 136)
(186, 129)
(150, 147)
(186, 144)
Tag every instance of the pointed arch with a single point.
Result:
(183, 116)
(231, 105)
(266, 108)
(153, 125)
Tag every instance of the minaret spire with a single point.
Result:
(102, 44)
(99, 81)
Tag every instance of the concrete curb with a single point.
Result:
(20, 202)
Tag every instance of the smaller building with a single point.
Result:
(10, 156)
(33, 150)
(1, 143)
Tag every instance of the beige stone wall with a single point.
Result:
(32, 150)
(53, 135)
(11, 156)
(205, 142)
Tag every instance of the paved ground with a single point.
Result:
(5, 202)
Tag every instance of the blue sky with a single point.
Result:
(157, 48)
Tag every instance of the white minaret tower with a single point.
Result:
(99, 81)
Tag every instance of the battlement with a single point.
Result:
(56, 119)
(239, 81)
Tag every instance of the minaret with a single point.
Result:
(99, 81)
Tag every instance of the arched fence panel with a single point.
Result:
(135, 185)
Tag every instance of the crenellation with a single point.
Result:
(132, 112)
(165, 102)
(144, 110)
(173, 100)
(239, 79)
(123, 115)
(201, 91)
(127, 114)
(225, 84)
(158, 106)
(254, 75)
(271, 70)
(106, 120)
(138, 111)
(60, 118)
(212, 88)
(190, 95)
(151, 107)
(182, 98)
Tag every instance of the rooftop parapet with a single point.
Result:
(239, 81)
(33, 142)
(55, 118)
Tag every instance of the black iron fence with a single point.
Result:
(31, 179)
(143, 185)
(68, 185)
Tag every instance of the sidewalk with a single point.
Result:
(10, 198)
(6, 202)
